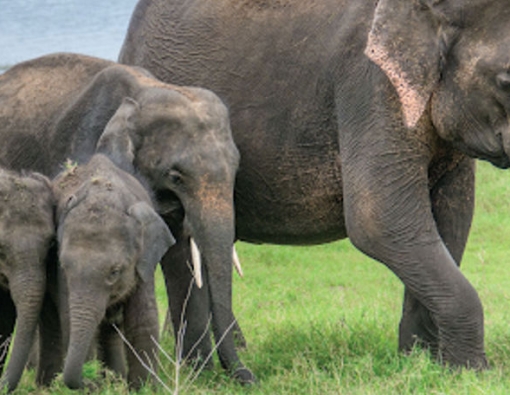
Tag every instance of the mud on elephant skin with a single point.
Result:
(26, 233)
(354, 119)
(110, 239)
(178, 138)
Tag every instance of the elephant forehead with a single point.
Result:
(24, 207)
(106, 235)
(480, 53)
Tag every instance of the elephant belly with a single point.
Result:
(296, 199)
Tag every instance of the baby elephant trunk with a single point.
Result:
(28, 298)
(84, 321)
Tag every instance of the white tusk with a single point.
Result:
(197, 263)
(237, 263)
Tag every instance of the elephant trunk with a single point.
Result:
(85, 316)
(27, 289)
(213, 232)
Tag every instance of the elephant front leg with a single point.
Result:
(111, 348)
(389, 217)
(452, 198)
(189, 306)
(141, 328)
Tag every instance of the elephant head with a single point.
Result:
(26, 232)
(453, 56)
(110, 240)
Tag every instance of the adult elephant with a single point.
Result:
(55, 109)
(354, 119)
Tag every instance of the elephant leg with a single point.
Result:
(452, 200)
(388, 214)
(188, 305)
(7, 322)
(239, 338)
(111, 348)
(51, 349)
(141, 328)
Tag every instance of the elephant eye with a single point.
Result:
(175, 176)
(503, 81)
(114, 274)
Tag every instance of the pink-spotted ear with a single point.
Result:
(403, 42)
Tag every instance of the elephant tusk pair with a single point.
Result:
(197, 263)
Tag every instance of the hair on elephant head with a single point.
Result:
(26, 233)
(110, 240)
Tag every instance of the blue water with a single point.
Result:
(31, 28)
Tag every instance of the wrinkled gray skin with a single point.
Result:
(354, 118)
(179, 139)
(110, 241)
(26, 231)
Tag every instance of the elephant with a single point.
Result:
(110, 239)
(56, 107)
(358, 119)
(27, 232)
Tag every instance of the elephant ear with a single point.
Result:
(156, 238)
(403, 42)
(41, 178)
(116, 142)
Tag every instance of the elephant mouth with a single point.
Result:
(169, 206)
(504, 139)
(4, 282)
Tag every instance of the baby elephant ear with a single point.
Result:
(403, 42)
(42, 178)
(116, 141)
(156, 238)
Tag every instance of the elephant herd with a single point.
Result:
(329, 119)
(109, 137)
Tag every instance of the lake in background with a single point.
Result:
(31, 28)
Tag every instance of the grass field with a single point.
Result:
(323, 320)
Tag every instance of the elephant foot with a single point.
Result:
(450, 359)
(244, 376)
(417, 329)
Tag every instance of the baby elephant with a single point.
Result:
(26, 232)
(110, 240)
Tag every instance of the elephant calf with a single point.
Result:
(26, 232)
(110, 239)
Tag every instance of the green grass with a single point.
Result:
(323, 320)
